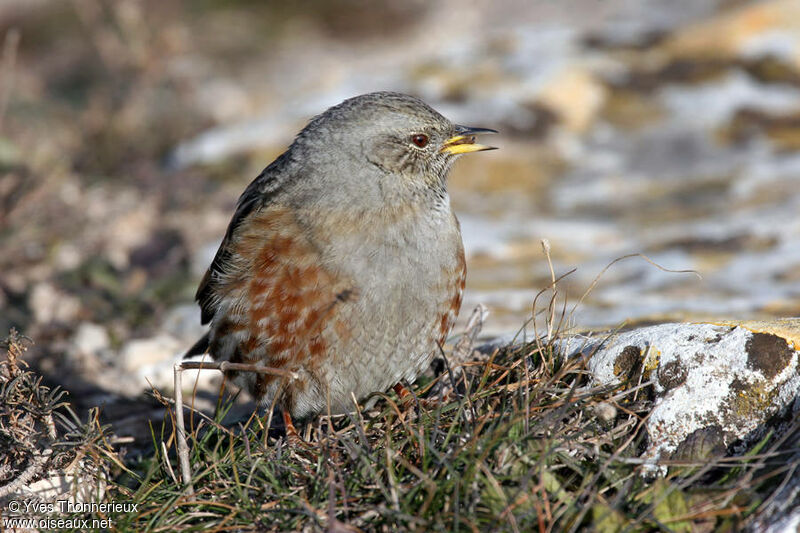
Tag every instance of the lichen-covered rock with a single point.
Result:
(713, 384)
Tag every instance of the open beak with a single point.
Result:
(463, 142)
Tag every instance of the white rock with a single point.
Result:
(67, 256)
(49, 304)
(141, 353)
(91, 339)
(150, 362)
(731, 376)
(787, 524)
(162, 376)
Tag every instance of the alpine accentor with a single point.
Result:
(343, 261)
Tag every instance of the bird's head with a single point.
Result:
(400, 138)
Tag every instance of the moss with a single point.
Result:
(628, 362)
(768, 354)
(671, 375)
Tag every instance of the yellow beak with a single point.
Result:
(464, 141)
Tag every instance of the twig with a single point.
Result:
(224, 366)
(183, 448)
(37, 464)
(170, 471)
(622, 258)
(554, 288)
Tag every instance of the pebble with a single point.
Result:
(140, 353)
(91, 339)
(49, 304)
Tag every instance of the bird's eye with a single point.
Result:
(420, 140)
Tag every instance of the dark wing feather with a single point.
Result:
(255, 196)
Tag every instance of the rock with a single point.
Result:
(755, 29)
(91, 339)
(67, 257)
(141, 353)
(49, 304)
(788, 524)
(714, 384)
(87, 353)
(152, 360)
(576, 96)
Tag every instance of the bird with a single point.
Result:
(343, 262)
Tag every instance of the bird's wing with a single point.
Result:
(256, 195)
(270, 295)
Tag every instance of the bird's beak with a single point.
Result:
(463, 142)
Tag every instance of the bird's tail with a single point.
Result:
(199, 348)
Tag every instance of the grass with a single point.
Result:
(518, 441)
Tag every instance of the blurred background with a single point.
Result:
(129, 128)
